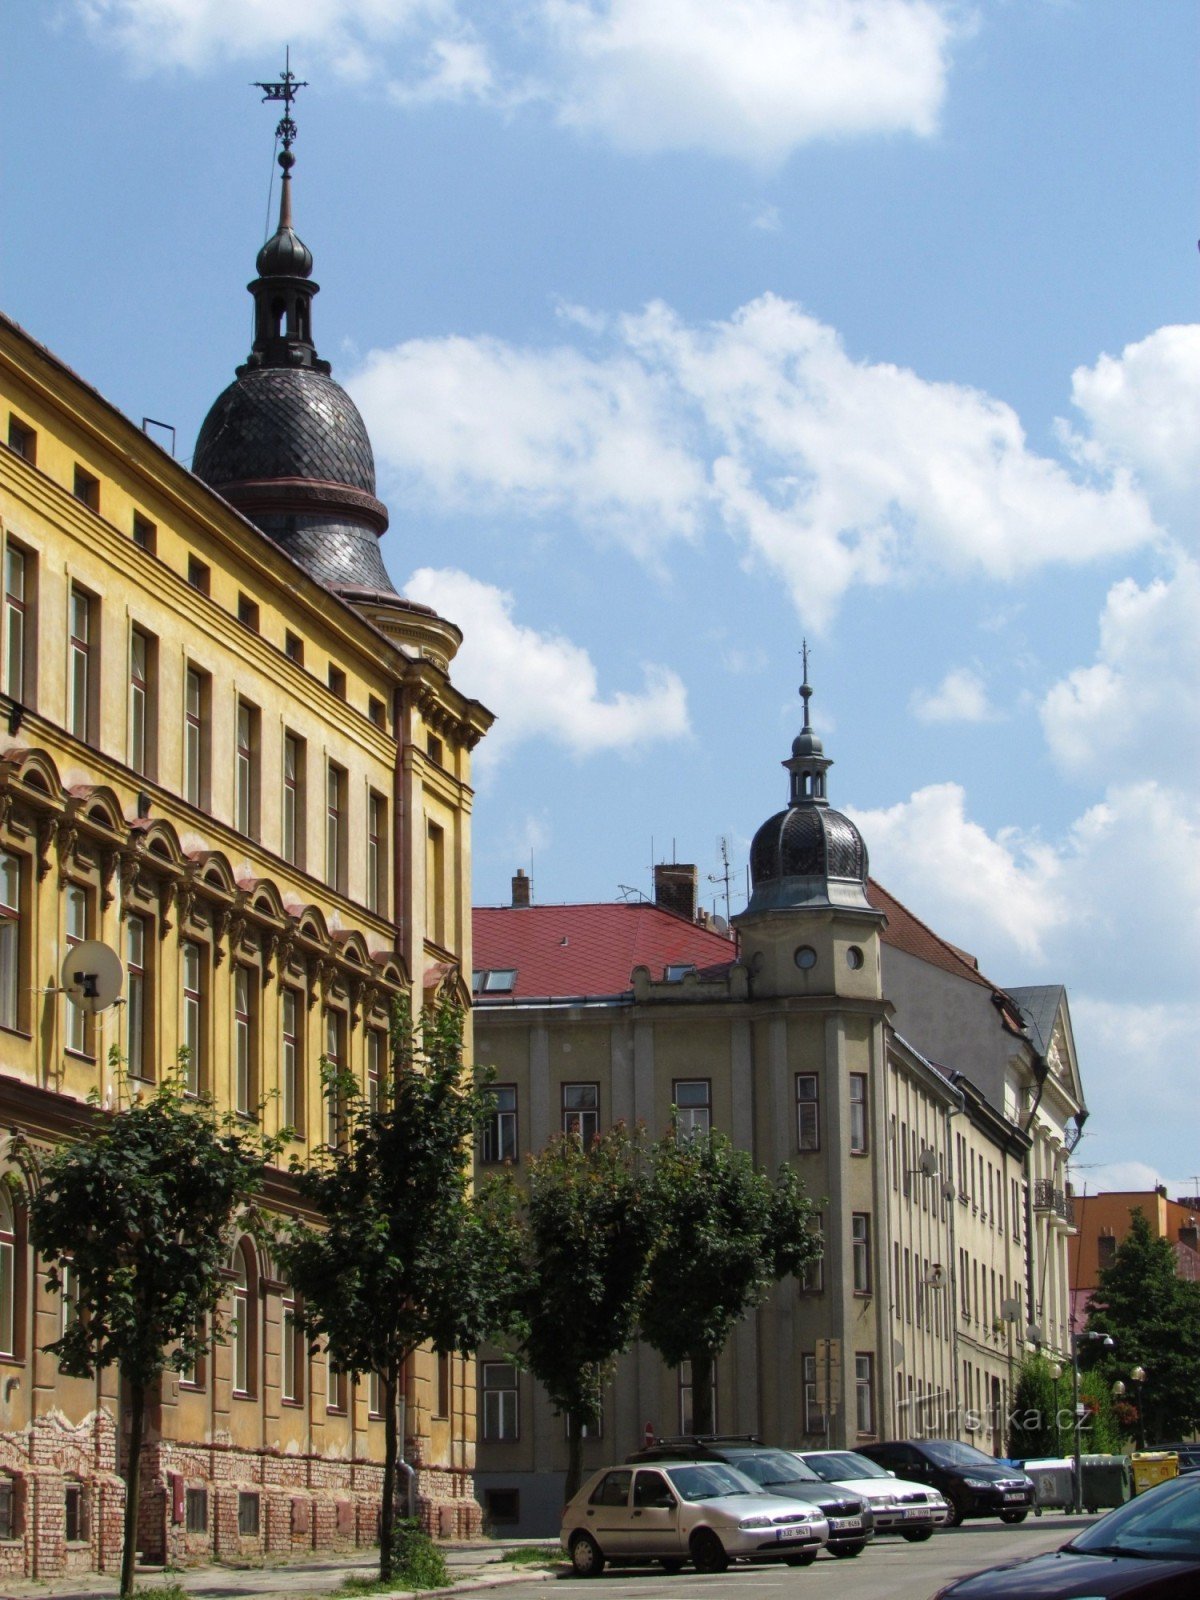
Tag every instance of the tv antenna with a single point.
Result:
(725, 876)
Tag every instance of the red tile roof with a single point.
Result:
(908, 933)
(561, 952)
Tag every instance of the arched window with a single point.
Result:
(8, 1276)
(243, 1327)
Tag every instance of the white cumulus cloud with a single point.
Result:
(542, 686)
(960, 697)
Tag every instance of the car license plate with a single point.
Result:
(845, 1522)
(1018, 1494)
(913, 1511)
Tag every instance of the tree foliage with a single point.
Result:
(1153, 1316)
(141, 1206)
(585, 1241)
(404, 1256)
(724, 1233)
(1034, 1413)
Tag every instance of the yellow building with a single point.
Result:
(232, 753)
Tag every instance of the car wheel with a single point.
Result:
(805, 1560)
(708, 1553)
(587, 1558)
(854, 1548)
(1013, 1516)
(671, 1564)
(958, 1512)
(919, 1535)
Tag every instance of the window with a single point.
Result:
(86, 488)
(337, 681)
(293, 647)
(376, 1056)
(291, 1063)
(80, 673)
(815, 1418)
(377, 712)
(291, 1352)
(8, 1508)
(68, 1296)
(692, 1098)
(198, 575)
(435, 883)
(1106, 1249)
(22, 440)
(613, 1488)
(377, 854)
(497, 980)
(196, 724)
(10, 940)
(858, 1113)
(18, 640)
(192, 961)
(75, 1527)
(808, 1122)
(145, 534)
(375, 1395)
(242, 1322)
(335, 1386)
(442, 1403)
(245, 1034)
(501, 1400)
(499, 1141)
(502, 1507)
(246, 764)
(892, 1161)
(335, 1049)
(581, 1110)
(812, 1278)
(137, 1012)
(686, 1390)
(195, 1510)
(860, 1244)
(435, 749)
(247, 612)
(8, 1277)
(248, 1506)
(193, 1376)
(79, 918)
(143, 653)
(294, 810)
(677, 971)
(335, 829)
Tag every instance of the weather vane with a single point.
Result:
(285, 90)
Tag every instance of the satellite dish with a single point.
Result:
(1010, 1310)
(897, 1353)
(928, 1163)
(721, 924)
(92, 975)
(1033, 1333)
(947, 1189)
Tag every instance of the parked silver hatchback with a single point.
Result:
(674, 1512)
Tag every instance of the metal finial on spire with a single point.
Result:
(284, 89)
(805, 690)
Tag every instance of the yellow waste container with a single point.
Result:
(1151, 1467)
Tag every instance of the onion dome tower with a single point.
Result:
(808, 855)
(284, 443)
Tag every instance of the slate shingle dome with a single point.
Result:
(284, 443)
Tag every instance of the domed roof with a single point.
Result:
(284, 422)
(285, 254)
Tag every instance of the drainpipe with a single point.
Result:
(953, 1203)
(402, 1464)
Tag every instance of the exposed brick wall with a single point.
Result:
(43, 1459)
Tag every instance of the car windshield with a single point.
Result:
(769, 1468)
(949, 1453)
(835, 1466)
(708, 1480)
(1161, 1522)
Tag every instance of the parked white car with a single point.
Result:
(912, 1510)
(674, 1512)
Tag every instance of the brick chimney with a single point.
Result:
(675, 888)
(522, 889)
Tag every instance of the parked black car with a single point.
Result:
(975, 1485)
(1148, 1549)
(851, 1524)
(1188, 1453)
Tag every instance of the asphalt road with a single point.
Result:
(888, 1568)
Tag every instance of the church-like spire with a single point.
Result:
(283, 291)
(809, 763)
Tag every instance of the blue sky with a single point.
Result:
(685, 330)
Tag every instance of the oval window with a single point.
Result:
(806, 957)
(854, 957)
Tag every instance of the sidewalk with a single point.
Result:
(476, 1565)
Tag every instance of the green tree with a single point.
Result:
(404, 1256)
(586, 1236)
(142, 1207)
(724, 1233)
(1033, 1415)
(1153, 1316)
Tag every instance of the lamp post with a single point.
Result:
(1106, 1342)
(1055, 1370)
(1138, 1375)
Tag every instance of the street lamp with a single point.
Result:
(1138, 1376)
(1055, 1371)
(1106, 1342)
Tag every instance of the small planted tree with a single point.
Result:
(587, 1231)
(1033, 1416)
(142, 1207)
(724, 1232)
(404, 1257)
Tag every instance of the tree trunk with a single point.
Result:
(702, 1391)
(133, 1479)
(574, 1457)
(387, 1512)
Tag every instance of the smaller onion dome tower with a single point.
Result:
(284, 443)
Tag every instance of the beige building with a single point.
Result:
(230, 752)
(786, 1034)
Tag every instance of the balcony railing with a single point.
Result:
(1047, 1198)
